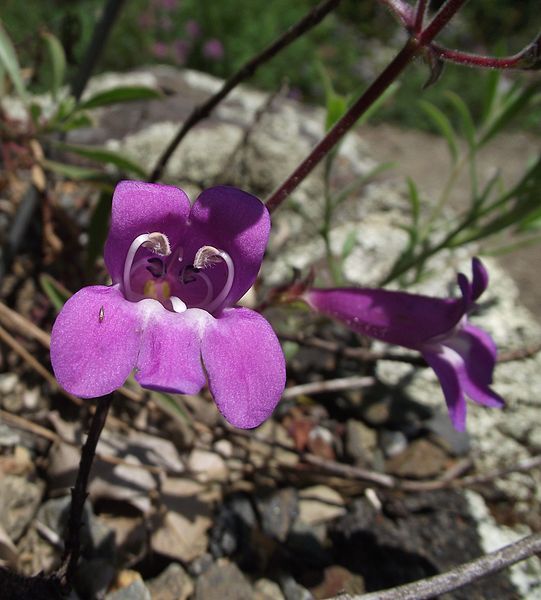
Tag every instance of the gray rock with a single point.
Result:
(361, 442)
(293, 590)
(223, 581)
(455, 442)
(97, 539)
(392, 442)
(172, 584)
(19, 501)
(94, 577)
(278, 512)
(135, 591)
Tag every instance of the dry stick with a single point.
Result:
(78, 493)
(459, 576)
(202, 111)
(367, 355)
(412, 48)
(329, 385)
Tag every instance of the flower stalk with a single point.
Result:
(79, 493)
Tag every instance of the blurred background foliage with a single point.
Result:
(217, 37)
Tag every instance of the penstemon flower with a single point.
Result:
(176, 273)
(462, 355)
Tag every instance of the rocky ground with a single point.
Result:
(351, 490)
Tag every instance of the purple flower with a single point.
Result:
(176, 273)
(192, 28)
(213, 49)
(463, 356)
(160, 50)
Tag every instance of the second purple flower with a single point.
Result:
(462, 355)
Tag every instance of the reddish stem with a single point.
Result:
(517, 61)
(440, 20)
(419, 16)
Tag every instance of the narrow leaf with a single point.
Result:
(466, 119)
(443, 125)
(56, 293)
(105, 156)
(58, 62)
(74, 172)
(120, 94)
(9, 61)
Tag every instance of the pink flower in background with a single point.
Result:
(166, 23)
(192, 28)
(146, 21)
(169, 4)
(180, 50)
(160, 50)
(213, 49)
(177, 271)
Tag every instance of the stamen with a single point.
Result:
(156, 242)
(207, 256)
(178, 305)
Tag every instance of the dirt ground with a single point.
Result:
(425, 158)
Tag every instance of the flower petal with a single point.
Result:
(94, 342)
(245, 366)
(478, 353)
(170, 355)
(480, 278)
(395, 317)
(140, 207)
(445, 364)
(237, 222)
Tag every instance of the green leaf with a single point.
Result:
(56, 293)
(490, 97)
(444, 126)
(9, 61)
(513, 105)
(466, 119)
(35, 112)
(349, 244)
(58, 62)
(119, 94)
(358, 182)
(75, 172)
(98, 227)
(105, 156)
(415, 201)
(172, 406)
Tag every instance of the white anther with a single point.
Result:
(156, 242)
(207, 256)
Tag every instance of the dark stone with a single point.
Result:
(414, 537)
(278, 511)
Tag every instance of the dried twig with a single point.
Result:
(459, 576)
(202, 111)
(368, 355)
(329, 385)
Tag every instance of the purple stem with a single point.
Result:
(413, 46)
(440, 20)
(419, 16)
